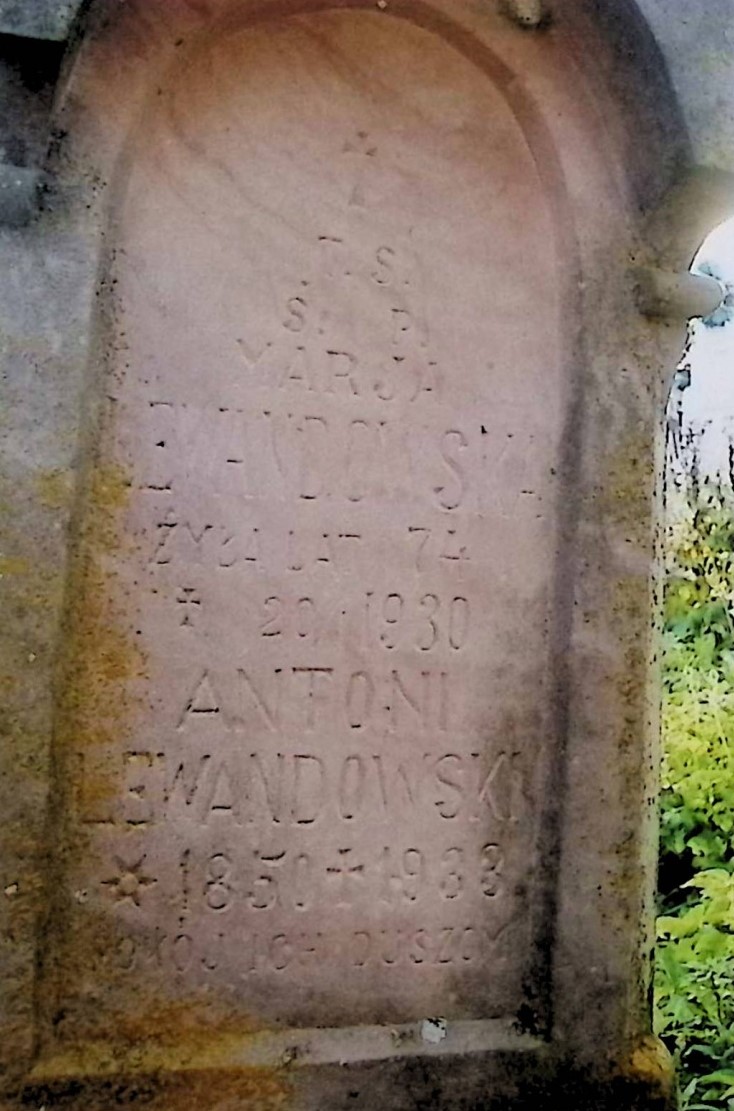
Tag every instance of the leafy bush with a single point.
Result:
(695, 956)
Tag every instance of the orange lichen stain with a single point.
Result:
(13, 566)
(630, 605)
(626, 517)
(628, 491)
(98, 689)
(9, 684)
(258, 1089)
(55, 489)
(108, 495)
(170, 1055)
(192, 1032)
(96, 704)
(242, 1089)
(195, 1024)
(101, 660)
(651, 1064)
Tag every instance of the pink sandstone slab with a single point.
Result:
(333, 404)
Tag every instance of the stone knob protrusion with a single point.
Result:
(665, 294)
(530, 14)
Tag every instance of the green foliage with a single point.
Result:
(695, 961)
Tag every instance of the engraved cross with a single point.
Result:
(361, 146)
(187, 597)
(343, 873)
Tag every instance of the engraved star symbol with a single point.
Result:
(130, 883)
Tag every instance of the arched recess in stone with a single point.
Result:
(302, 384)
(175, 377)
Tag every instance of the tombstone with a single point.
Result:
(332, 451)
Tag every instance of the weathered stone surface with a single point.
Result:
(19, 190)
(46, 295)
(28, 74)
(351, 710)
(38, 19)
(321, 785)
(699, 51)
